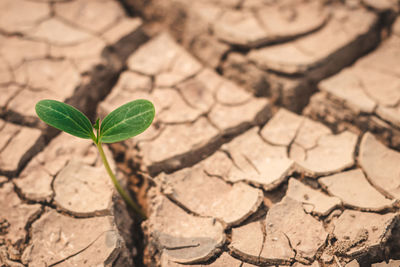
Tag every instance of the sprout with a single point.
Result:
(125, 122)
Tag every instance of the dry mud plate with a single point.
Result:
(276, 140)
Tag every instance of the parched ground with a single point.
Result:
(276, 140)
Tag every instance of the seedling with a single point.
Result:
(125, 122)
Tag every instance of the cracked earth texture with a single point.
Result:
(275, 143)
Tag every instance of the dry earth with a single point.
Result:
(276, 140)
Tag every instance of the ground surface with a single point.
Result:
(276, 140)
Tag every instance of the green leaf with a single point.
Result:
(96, 125)
(65, 118)
(127, 121)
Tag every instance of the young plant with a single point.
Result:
(125, 122)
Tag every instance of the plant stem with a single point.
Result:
(119, 188)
